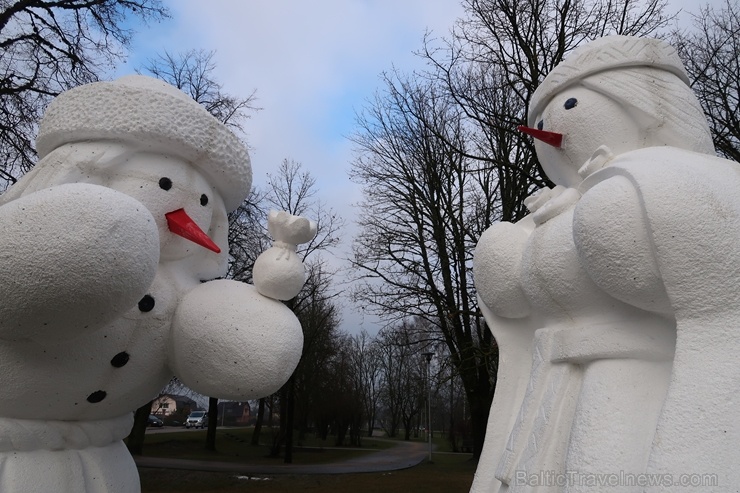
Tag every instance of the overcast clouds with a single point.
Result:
(313, 64)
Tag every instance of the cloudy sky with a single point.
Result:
(313, 66)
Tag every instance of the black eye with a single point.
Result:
(540, 125)
(165, 183)
(203, 199)
(571, 103)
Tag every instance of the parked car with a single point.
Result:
(155, 421)
(197, 419)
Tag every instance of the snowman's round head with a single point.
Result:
(162, 183)
(622, 92)
(153, 116)
(149, 140)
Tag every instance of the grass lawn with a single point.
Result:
(446, 474)
(233, 445)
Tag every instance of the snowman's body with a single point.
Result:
(103, 301)
(613, 303)
(115, 359)
(588, 356)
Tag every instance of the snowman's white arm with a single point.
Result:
(74, 257)
(497, 266)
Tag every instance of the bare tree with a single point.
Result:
(292, 189)
(425, 206)
(439, 161)
(49, 46)
(193, 73)
(364, 353)
(402, 377)
(247, 236)
(711, 53)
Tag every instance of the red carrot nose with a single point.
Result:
(181, 224)
(553, 138)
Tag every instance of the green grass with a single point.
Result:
(233, 445)
(447, 473)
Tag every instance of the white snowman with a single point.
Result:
(106, 247)
(614, 303)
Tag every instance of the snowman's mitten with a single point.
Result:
(230, 342)
(73, 258)
(278, 272)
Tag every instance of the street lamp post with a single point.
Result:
(429, 356)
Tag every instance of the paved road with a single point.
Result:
(402, 456)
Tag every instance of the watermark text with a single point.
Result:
(617, 479)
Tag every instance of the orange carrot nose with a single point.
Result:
(181, 224)
(553, 138)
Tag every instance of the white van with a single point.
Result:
(197, 419)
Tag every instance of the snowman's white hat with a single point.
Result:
(150, 113)
(603, 54)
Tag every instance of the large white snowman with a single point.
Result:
(614, 302)
(104, 252)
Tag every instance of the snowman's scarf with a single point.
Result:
(25, 435)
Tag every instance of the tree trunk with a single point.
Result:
(279, 439)
(258, 423)
(407, 427)
(452, 438)
(135, 439)
(480, 406)
(212, 424)
(341, 433)
(290, 408)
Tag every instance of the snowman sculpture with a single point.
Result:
(614, 303)
(107, 245)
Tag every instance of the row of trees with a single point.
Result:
(350, 386)
(439, 157)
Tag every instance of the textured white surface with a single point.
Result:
(68, 239)
(149, 113)
(630, 276)
(278, 272)
(216, 353)
(102, 303)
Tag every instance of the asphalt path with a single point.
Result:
(402, 456)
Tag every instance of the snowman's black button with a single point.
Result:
(204, 200)
(96, 396)
(120, 359)
(165, 183)
(146, 303)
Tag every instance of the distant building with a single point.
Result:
(168, 404)
(233, 413)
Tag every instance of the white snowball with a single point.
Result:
(230, 342)
(278, 273)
